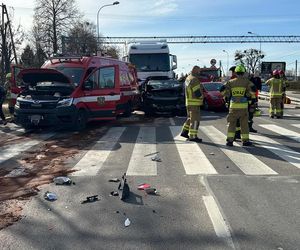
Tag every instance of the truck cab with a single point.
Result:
(151, 58)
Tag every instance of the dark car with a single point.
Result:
(163, 96)
(212, 96)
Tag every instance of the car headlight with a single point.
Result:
(65, 102)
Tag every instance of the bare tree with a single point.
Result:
(250, 58)
(52, 19)
(82, 39)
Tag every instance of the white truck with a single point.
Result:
(151, 58)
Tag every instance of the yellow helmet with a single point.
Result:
(8, 76)
(240, 69)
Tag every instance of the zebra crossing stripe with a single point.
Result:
(282, 131)
(144, 149)
(93, 160)
(10, 151)
(193, 159)
(296, 125)
(278, 149)
(245, 161)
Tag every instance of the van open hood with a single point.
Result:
(34, 75)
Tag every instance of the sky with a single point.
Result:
(192, 18)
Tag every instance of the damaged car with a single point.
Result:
(163, 96)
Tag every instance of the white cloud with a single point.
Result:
(164, 7)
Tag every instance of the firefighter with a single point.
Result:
(193, 100)
(9, 96)
(277, 92)
(238, 90)
(284, 80)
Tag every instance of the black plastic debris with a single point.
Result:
(49, 196)
(90, 199)
(114, 180)
(123, 188)
(151, 191)
(114, 193)
(63, 180)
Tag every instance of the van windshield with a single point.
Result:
(75, 74)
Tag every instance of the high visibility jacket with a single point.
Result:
(193, 91)
(277, 87)
(239, 90)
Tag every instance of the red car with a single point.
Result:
(212, 96)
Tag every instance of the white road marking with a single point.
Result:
(172, 121)
(192, 157)
(216, 217)
(247, 162)
(140, 161)
(282, 131)
(10, 151)
(292, 115)
(296, 125)
(278, 149)
(93, 160)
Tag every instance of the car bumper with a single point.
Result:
(63, 116)
(166, 107)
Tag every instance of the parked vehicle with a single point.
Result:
(151, 58)
(74, 90)
(163, 96)
(212, 96)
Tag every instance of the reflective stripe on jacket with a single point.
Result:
(276, 87)
(239, 90)
(193, 91)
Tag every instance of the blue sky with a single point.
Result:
(193, 17)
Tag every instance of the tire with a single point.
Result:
(80, 120)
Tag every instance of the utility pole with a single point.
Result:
(296, 73)
(6, 32)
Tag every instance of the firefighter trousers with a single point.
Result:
(193, 121)
(233, 116)
(276, 107)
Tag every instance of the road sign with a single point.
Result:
(268, 67)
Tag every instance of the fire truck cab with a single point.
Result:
(75, 90)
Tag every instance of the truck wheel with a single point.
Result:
(81, 119)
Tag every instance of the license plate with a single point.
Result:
(35, 118)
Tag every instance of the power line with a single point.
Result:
(206, 39)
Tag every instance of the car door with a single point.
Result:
(102, 92)
(15, 83)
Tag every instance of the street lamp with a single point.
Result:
(106, 5)
(227, 61)
(252, 33)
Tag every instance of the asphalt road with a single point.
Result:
(209, 196)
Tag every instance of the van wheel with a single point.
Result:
(81, 120)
